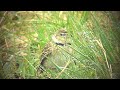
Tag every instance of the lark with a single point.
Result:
(56, 53)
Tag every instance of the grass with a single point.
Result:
(94, 37)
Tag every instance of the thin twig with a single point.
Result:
(63, 69)
(101, 46)
(2, 19)
(6, 43)
(111, 71)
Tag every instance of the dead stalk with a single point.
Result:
(101, 46)
(63, 69)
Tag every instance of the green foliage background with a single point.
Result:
(94, 36)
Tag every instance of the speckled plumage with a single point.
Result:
(55, 51)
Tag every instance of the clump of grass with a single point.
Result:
(94, 42)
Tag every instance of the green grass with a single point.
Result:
(94, 37)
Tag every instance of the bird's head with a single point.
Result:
(61, 37)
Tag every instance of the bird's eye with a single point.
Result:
(63, 34)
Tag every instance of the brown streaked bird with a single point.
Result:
(56, 51)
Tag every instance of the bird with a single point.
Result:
(55, 53)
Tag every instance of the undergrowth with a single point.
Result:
(94, 37)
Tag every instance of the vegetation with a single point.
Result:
(95, 38)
